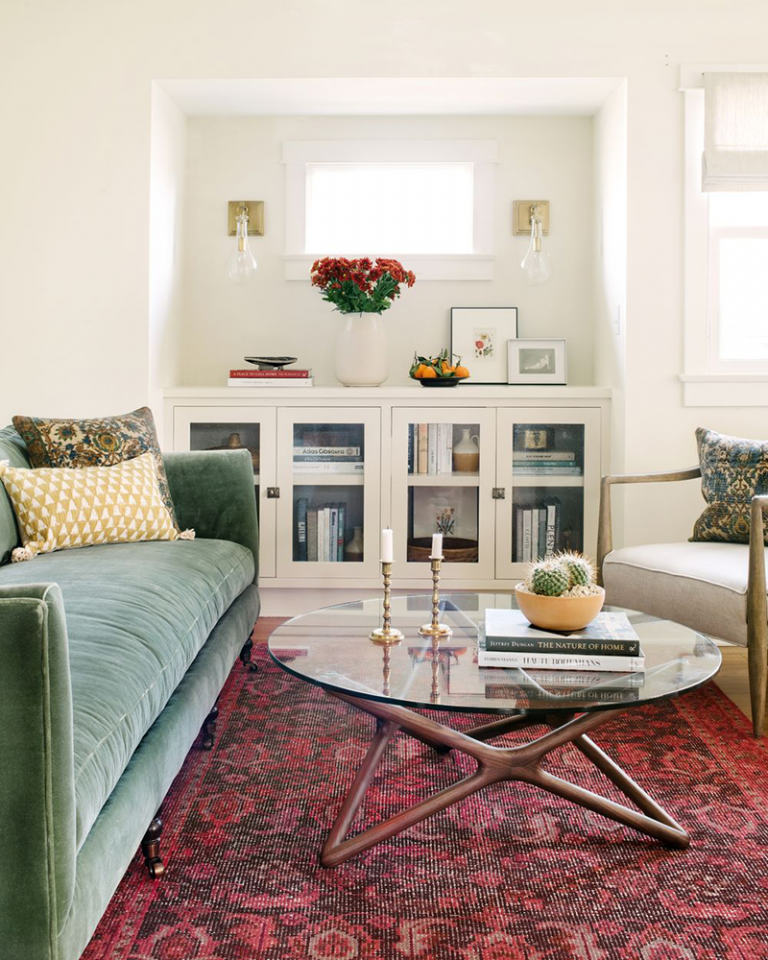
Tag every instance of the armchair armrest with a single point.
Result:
(213, 493)
(757, 612)
(37, 786)
(604, 528)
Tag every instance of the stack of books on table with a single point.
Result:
(542, 463)
(430, 448)
(316, 458)
(287, 377)
(321, 531)
(537, 530)
(609, 643)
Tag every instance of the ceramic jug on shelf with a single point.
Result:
(353, 552)
(466, 453)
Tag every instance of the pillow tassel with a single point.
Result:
(187, 535)
(20, 554)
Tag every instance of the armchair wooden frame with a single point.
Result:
(757, 606)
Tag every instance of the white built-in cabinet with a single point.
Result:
(533, 485)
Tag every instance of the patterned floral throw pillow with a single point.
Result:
(95, 443)
(733, 470)
(58, 509)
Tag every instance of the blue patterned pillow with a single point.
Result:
(733, 471)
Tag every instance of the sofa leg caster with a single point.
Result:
(209, 728)
(150, 847)
(245, 656)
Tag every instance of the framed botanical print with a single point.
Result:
(537, 361)
(479, 335)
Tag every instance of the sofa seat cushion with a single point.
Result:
(702, 585)
(137, 616)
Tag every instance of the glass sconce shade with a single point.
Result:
(241, 265)
(537, 263)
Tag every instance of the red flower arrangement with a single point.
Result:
(360, 286)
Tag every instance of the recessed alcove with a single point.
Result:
(563, 139)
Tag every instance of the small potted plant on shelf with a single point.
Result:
(560, 593)
(439, 371)
(362, 290)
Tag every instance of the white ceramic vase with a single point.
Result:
(361, 351)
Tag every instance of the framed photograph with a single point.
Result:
(537, 361)
(479, 335)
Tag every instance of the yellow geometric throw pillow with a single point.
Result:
(58, 508)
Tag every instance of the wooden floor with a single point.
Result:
(732, 679)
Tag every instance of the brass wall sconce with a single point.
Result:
(246, 218)
(255, 211)
(522, 214)
(532, 217)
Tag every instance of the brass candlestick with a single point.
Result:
(435, 629)
(386, 634)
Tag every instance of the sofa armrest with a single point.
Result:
(213, 493)
(757, 611)
(604, 527)
(37, 789)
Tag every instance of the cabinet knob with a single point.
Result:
(273, 493)
(499, 493)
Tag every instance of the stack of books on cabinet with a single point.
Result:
(286, 377)
(608, 644)
(430, 448)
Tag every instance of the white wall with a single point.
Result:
(166, 236)
(75, 99)
(232, 158)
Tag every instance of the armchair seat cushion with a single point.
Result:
(702, 585)
(137, 616)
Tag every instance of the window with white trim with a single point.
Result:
(738, 279)
(726, 237)
(430, 202)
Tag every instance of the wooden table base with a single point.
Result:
(494, 764)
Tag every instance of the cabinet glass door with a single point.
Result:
(235, 428)
(549, 466)
(329, 480)
(442, 482)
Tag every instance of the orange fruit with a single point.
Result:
(461, 372)
(446, 367)
(429, 373)
(419, 371)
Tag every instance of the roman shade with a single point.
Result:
(735, 132)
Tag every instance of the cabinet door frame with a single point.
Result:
(485, 417)
(370, 419)
(508, 417)
(266, 418)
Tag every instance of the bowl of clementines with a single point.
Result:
(444, 370)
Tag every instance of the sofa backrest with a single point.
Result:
(12, 448)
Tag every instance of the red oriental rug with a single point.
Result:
(510, 874)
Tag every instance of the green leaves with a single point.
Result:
(347, 297)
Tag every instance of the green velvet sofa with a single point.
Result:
(111, 661)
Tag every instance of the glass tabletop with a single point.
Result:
(330, 648)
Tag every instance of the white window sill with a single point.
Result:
(465, 266)
(725, 389)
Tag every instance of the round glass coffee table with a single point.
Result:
(330, 648)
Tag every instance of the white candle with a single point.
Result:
(437, 546)
(387, 546)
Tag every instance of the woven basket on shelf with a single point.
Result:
(455, 550)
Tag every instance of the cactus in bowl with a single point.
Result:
(548, 578)
(560, 592)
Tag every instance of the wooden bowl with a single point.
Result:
(559, 613)
(455, 550)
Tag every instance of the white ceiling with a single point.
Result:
(396, 96)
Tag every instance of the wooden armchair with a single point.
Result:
(716, 588)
